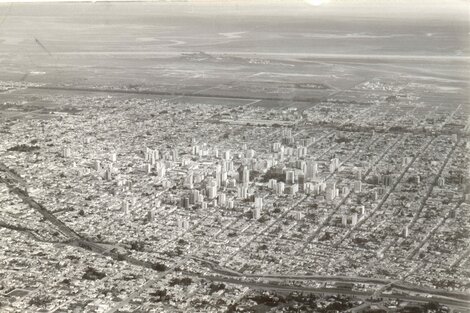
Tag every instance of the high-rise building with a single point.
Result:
(189, 180)
(330, 194)
(332, 167)
(358, 186)
(223, 178)
(292, 189)
(218, 174)
(406, 232)
(151, 216)
(344, 220)
(194, 196)
(183, 224)
(256, 213)
(66, 152)
(272, 183)
(245, 176)
(387, 180)
(290, 177)
(298, 215)
(336, 162)
(152, 157)
(359, 174)
(125, 207)
(222, 199)
(160, 168)
(242, 192)
(375, 196)
(108, 174)
(211, 191)
(148, 168)
(186, 202)
(259, 203)
(312, 170)
(250, 154)
(288, 140)
(240, 173)
(286, 132)
(354, 219)
(301, 181)
(309, 188)
(224, 166)
(227, 155)
(301, 152)
(316, 189)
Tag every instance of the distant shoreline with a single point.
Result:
(302, 56)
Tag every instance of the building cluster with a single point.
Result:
(171, 182)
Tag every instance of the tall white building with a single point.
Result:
(222, 199)
(354, 219)
(259, 203)
(290, 177)
(227, 155)
(256, 213)
(246, 176)
(280, 188)
(242, 192)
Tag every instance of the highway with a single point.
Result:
(399, 285)
(451, 302)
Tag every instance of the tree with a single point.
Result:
(159, 267)
(216, 287)
(185, 281)
(137, 246)
(23, 148)
(93, 274)
(40, 300)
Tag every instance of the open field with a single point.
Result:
(301, 56)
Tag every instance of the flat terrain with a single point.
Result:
(117, 121)
(280, 54)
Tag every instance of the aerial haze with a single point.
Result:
(234, 156)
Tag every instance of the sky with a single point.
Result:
(452, 11)
(426, 6)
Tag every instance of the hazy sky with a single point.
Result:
(458, 8)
